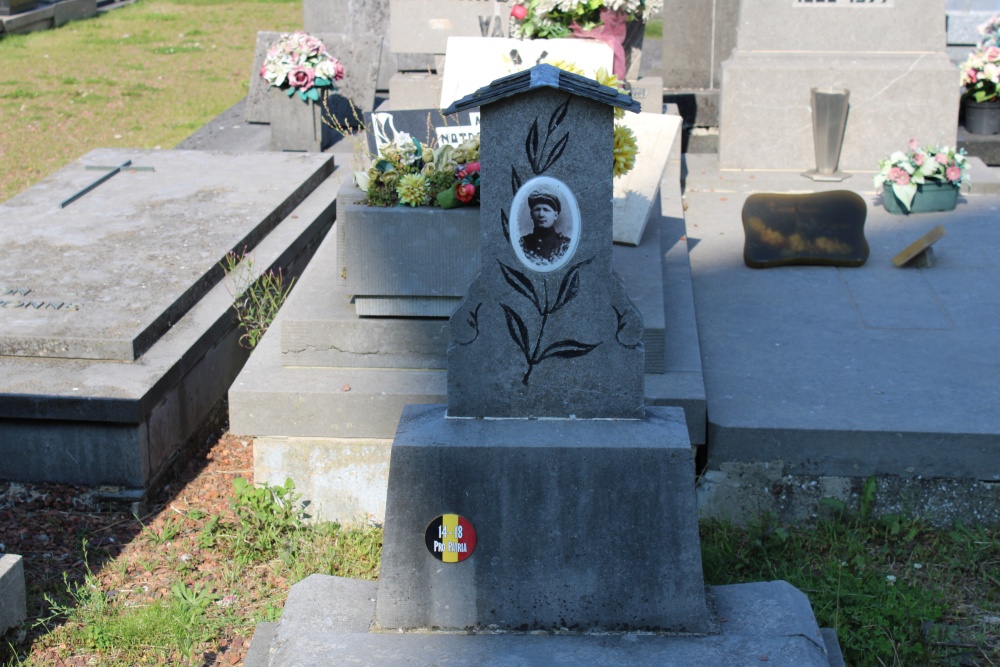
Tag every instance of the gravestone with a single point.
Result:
(13, 605)
(362, 21)
(889, 54)
(359, 57)
(964, 18)
(543, 540)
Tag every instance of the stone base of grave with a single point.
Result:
(158, 326)
(414, 90)
(327, 620)
(13, 604)
(766, 117)
(582, 524)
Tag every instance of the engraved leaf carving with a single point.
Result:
(558, 114)
(570, 285)
(566, 349)
(518, 331)
(521, 284)
(515, 180)
(531, 144)
(505, 225)
(557, 152)
(621, 327)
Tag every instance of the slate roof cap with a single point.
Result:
(544, 76)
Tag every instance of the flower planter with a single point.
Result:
(982, 117)
(931, 197)
(405, 256)
(296, 124)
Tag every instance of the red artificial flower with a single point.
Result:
(465, 192)
(519, 12)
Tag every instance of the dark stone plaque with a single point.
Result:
(822, 228)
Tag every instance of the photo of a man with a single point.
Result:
(544, 244)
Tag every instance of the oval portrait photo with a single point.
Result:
(545, 229)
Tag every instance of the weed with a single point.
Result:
(257, 298)
(171, 529)
(267, 519)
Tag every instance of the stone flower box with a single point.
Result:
(405, 261)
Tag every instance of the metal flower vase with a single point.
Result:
(829, 115)
(296, 124)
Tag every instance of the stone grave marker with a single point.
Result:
(919, 254)
(819, 228)
(424, 26)
(889, 54)
(358, 53)
(546, 314)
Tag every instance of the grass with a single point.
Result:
(143, 76)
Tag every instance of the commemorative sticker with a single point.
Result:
(450, 538)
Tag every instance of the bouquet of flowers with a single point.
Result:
(544, 19)
(903, 172)
(299, 63)
(408, 173)
(981, 74)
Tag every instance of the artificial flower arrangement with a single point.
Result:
(990, 32)
(545, 19)
(299, 63)
(904, 171)
(409, 173)
(981, 74)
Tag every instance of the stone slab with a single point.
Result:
(963, 26)
(766, 117)
(895, 26)
(325, 622)
(635, 192)
(121, 267)
(424, 26)
(259, 654)
(123, 424)
(696, 42)
(798, 370)
(649, 91)
(543, 483)
(13, 604)
(361, 65)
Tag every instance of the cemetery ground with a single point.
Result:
(186, 581)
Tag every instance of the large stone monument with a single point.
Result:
(545, 496)
(890, 55)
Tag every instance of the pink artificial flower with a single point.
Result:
(918, 159)
(941, 158)
(465, 192)
(301, 77)
(338, 68)
(913, 144)
(897, 175)
(953, 174)
(311, 44)
(992, 53)
(972, 75)
(519, 12)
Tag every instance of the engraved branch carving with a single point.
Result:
(534, 354)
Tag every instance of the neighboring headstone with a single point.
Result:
(649, 92)
(359, 56)
(889, 55)
(365, 21)
(697, 37)
(13, 605)
(496, 58)
(964, 18)
(821, 228)
(424, 26)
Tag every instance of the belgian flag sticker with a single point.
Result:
(450, 538)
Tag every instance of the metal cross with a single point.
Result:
(111, 172)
